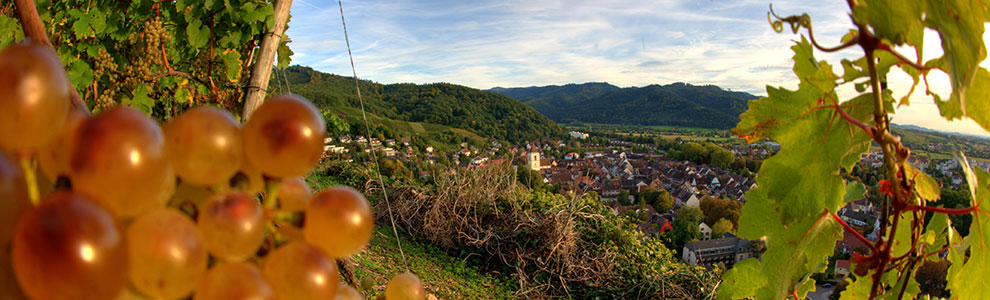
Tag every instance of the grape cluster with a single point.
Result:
(123, 226)
(104, 65)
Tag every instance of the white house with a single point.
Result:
(706, 232)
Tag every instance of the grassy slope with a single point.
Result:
(444, 276)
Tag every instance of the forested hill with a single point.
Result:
(677, 104)
(548, 98)
(487, 114)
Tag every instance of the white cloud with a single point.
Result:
(484, 44)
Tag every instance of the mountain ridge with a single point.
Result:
(487, 114)
(675, 104)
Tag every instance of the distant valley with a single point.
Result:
(677, 104)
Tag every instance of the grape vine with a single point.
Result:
(800, 189)
(160, 57)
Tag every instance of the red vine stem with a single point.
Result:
(805, 22)
(904, 59)
(165, 58)
(854, 121)
(873, 248)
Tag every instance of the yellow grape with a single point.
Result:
(166, 253)
(405, 286)
(204, 145)
(346, 292)
(294, 194)
(69, 248)
(234, 281)
(14, 199)
(284, 137)
(232, 225)
(118, 159)
(300, 271)
(339, 221)
(54, 156)
(9, 290)
(34, 96)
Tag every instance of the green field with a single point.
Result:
(692, 134)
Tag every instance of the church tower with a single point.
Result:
(534, 159)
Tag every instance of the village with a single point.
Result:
(619, 171)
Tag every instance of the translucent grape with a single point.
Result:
(204, 145)
(232, 225)
(294, 194)
(300, 271)
(284, 137)
(405, 286)
(34, 96)
(346, 292)
(14, 199)
(118, 159)
(9, 290)
(54, 155)
(229, 281)
(339, 221)
(69, 248)
(166, 253)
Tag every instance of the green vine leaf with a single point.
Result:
(797, 187)
(197, 34)
(854, 191)
(972, 279)
(10, 31)
(924, 185)
(232, 61)
(897, 21)
(79, 73)
(741, 276)
(80, 26)
(858, 289)
(977, 104)
(960, 26)
(140, 100)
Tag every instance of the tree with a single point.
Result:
(686, 226)
(722, 227)
(623, 197)
(720, 157)
(715, 209)
(530, 179)
(660, 200)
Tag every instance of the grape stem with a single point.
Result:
(31, 179)
(271, 193)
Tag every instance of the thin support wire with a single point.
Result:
(368, 130)
(286, 78)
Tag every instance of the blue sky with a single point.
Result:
(511, 43)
